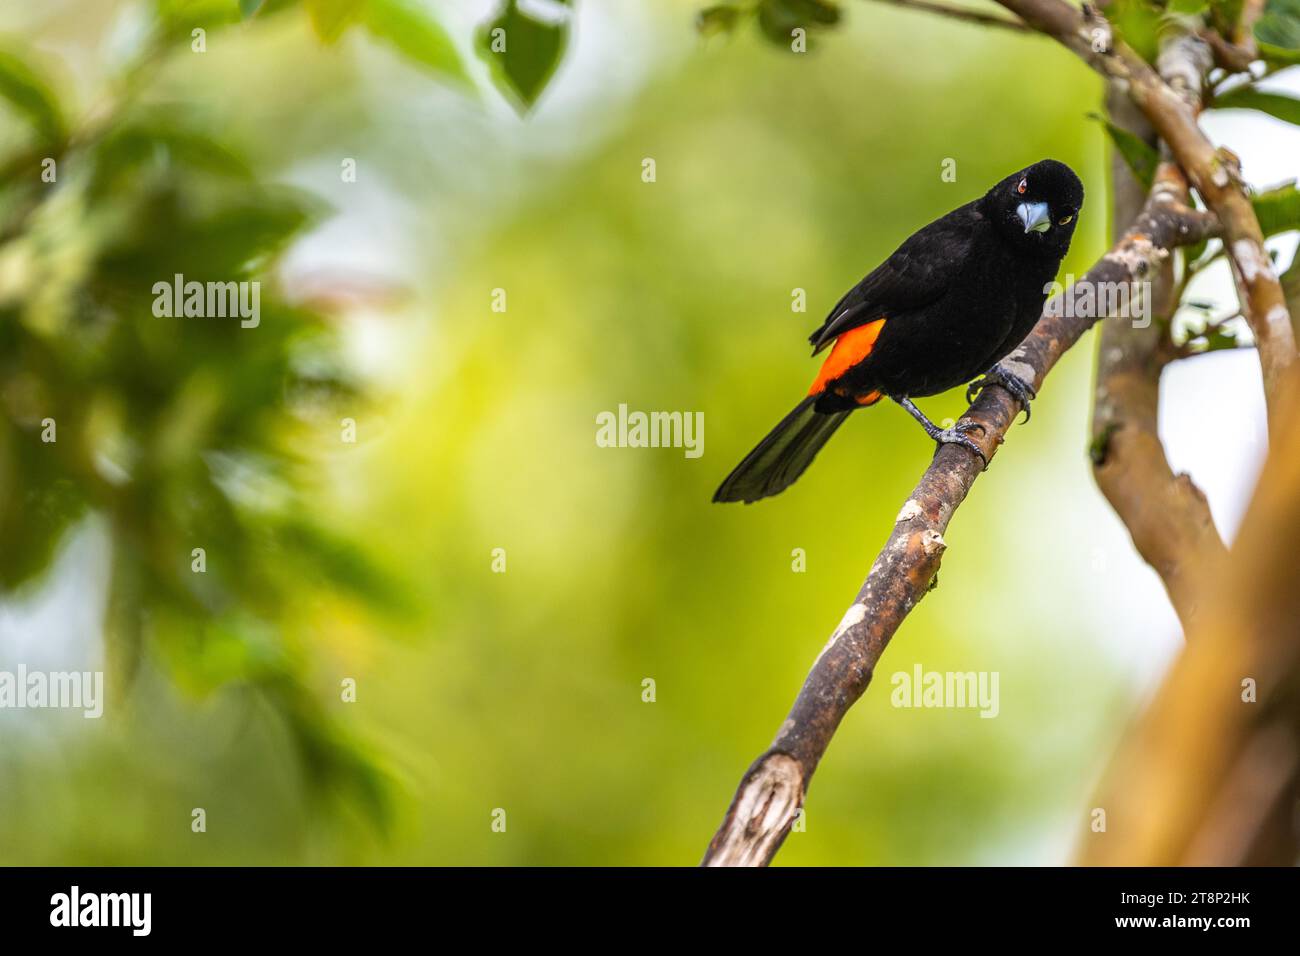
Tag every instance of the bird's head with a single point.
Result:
(1037, 208)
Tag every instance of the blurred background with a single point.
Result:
(498, 587)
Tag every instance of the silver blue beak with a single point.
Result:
(1035, 215)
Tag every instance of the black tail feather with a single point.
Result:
(781, 457)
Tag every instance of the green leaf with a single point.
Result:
(524, 51)
(1278, 56)
(1188, 6)
(1224, 16)
(778, 23)
(1277, 32)
(155, 139)
(821, 12)
(32, 97)
(1277, 210)
(329, 18)
(1138, 24)
(415, 35)
(39, 517)
(338, 764)
(1219, 339)
(1248, 98)
(719, 19)
(1140, 155)
(778, 19)
(171, 235)
(343, 565)
(249, 7)
(178, 18)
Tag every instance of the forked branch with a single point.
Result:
(1214, 173)
(1166, 514)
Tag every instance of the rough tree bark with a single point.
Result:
(1210, 774)
(1167, 515)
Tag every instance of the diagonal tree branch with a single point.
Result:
(1214, 173)
(1166, 514)
(773, 788)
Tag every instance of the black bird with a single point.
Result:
(949, 304)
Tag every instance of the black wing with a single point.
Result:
(919, 271)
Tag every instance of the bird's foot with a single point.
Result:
(1015, 386)
(959, 434)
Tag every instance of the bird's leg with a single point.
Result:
(957, 435)
(1018, 388)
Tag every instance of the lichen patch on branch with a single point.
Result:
(911, 509)
(1253, 262)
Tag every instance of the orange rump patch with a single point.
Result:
(849, 349)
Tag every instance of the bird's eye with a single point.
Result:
(1065, 221)
(1024, 184)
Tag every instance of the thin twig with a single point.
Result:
(1235, 54)
(961, 13)
(1165, 513)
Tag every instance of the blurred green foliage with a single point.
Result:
(176, 433)
(1278, 31)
